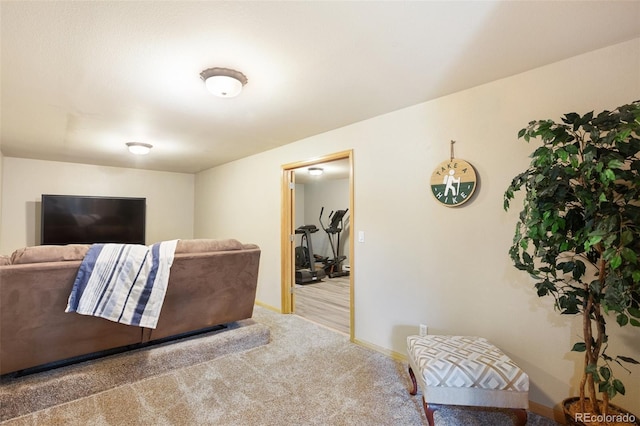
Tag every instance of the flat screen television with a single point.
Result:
(76, 219)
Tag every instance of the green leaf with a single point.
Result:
(579, 347)
(545, 287)
(615, 164)
(618, 386)
(610, 175)
(605, 373)
(616, 261)
(627, 359)
(593, 240)
(579, 270)
(626, 237)
(569, 304)
(622, 320)
(571, 118)
(634, 312)
(609, 253)
(564, 155)
(567, 266)
(629, 255)
(634, 322)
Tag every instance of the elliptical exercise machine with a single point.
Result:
(333, 266)
(306, 271)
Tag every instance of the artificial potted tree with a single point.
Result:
(578, 236)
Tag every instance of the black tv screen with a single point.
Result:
(75, 219)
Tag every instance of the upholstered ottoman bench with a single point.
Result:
(463, 370)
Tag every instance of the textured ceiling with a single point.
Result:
(79, 79)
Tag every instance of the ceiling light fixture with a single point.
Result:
(315, 171)
(139, 148)
(223, 82)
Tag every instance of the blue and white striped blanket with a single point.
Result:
(125, 283)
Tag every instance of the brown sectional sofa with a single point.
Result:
(212, 282)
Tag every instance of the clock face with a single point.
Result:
(453, 182)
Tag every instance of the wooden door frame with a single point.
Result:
(287, 230)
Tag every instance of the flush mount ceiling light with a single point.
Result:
(139, 148)
(315, 171)
(223, 82)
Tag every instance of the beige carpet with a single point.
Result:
(27, 394)
(306, 375)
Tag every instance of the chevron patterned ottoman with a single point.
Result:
(464, 370)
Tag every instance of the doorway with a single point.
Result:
(335, 187)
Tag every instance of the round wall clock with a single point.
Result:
(453, 182)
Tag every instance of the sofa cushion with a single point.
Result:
(5, 260)
(40, 254)
(206, 245)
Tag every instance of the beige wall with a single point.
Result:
(425, 263)
(1, 164)
(169, 196)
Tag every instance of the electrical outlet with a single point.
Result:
(423, 330)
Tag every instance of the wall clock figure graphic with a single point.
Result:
(453, 182)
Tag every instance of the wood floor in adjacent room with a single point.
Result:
(325, 302)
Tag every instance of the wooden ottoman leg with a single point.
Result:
(414, 390)
(428, 411)
(521, 416)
